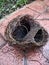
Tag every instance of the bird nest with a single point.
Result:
(25, 32)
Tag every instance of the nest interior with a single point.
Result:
(21, 30)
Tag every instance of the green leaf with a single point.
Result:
(21, 2)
